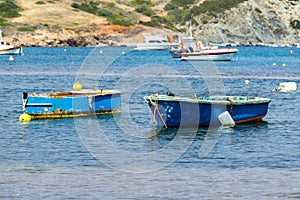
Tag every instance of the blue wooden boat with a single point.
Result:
(174, 111)
(71, 104)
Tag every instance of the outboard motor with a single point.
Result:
(25, 95)
(25, 98)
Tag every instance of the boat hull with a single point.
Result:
(224, 54)
(188, 112)
(72, 104)
(11, 51)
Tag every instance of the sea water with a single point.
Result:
(125, 156)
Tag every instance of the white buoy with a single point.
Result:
(247, 82)
(226, 119)
(287, 87)
(11, 58)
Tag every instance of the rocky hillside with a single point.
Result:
(256, 22)
(116, 22)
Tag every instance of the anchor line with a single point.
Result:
(155, 105)
(231, 105)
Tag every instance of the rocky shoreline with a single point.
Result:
(103, 35)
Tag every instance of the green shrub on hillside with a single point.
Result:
(105, 13)
(295, 24)
(214, 7)
(40, 2)
(182, 3)
(26, 29)
(3, 22)
(118, 19)
(9, 9)
(92, 7)
(176, 15)
(75, 5)
(144, 9)
(159, 22)
(170, 6)
(142, 2)
(121, 22)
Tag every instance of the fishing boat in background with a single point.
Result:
(208, 54)
(156, 42)
(174, 111)
(71, 104)
(6, 49)
(192, 49)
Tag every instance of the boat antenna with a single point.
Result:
(1, 35)
(191, 29)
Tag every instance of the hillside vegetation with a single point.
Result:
(226, 21)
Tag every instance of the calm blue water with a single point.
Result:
(124, 156)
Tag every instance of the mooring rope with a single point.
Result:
(155, 105)
(231, 105)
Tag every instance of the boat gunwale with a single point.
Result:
(76, 93)
(226, 100)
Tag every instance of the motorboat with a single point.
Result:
(6, 49)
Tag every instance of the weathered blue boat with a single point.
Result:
(174, 111)
(71, 104)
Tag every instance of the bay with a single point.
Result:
(125, 156)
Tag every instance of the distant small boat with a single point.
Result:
(174, 111)
(71, 104)
(6, 49)
(287, 87)
(192, 49)
(156, 42)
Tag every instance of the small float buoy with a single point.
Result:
(24, 118)
(291, 52)
(283, 65)
(274, 64)
(65, 50)
(77, 86)
(226, 119)
(287, 87)
(247, 82)
(101, 51)
(11, 58)
(123, 52)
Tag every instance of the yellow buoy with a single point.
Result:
(77, 86)
(283, 65)
(123, 52)
(24, 118)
